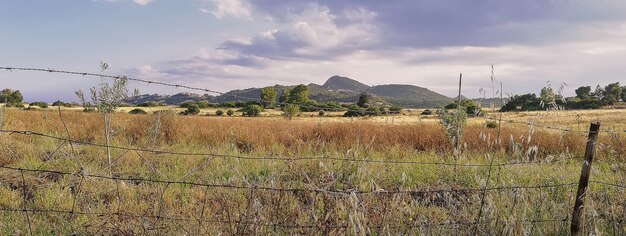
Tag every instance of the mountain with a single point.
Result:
(336, 88)
(409, 96)
(344, 83)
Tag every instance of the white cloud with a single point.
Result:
(231, 8)
(142, 2)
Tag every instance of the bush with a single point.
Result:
(61, 104)
(39, 104)
(373, 111)
(491, 124)
(354, 111)
(321, 113)
(192, 110)
(148, 104)
(137, 111)
(219, 113)
(291, 110)
(395, 109)
(230, 112)
(470, 107)
(427, 112)
(252, 110)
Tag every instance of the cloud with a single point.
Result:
(422, 42)
(231, 8)
(142, 2)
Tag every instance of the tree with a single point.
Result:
(11, 97)
(598, 94)
(252, 110)
(623, 95)
(284, 98)
(612, 93)
(470, 107)
(526, 102)
(230, 112)
(364, 100)
(583, 92)
(39, 104)
(268, 96)
(547, 95)
(192, 109)
(106, 97)
(299, 94)
(219, 113)
(137, 111)
(290, 111)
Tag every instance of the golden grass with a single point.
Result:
(209, 210)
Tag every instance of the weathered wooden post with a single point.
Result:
(585, 173)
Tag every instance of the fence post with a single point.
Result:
(585, 172)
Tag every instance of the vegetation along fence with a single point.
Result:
(179, 197)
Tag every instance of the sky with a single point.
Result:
(234, 44)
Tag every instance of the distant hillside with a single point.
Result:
(409, 96)
(336, 88)
(344, 83)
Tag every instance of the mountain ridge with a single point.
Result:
(336, 88)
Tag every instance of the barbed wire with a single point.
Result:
(278, 225)
(551, 127)
(274, 189)
(323, 158)
(194, 88)
(608, 184)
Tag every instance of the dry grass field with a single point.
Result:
(213, 175)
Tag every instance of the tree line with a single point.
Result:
(585, 99)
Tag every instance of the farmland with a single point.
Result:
(175, 174)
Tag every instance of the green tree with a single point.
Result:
(364, 100)
(268, 96)
(299, 94)
(192, 109)
(252, 110)
(583, 92)
(39, 104)
(547, 95)
(230, 112)
(137, 111)
(291, 110)
(106, 97)
(598, 94)
(11, 97)
(284, 98)
(219, 113)
(470, 107)
(623, 95)
(612, 93)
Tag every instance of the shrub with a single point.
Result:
(354, 111)
(453, 121)
(491, 124)
(395, 109)
(321, 113)
(230, 112)
(191, 110)
(39, 104)
(148, 104)
(252, 110)
(290, 111)
(219, 113)
(137, 111)
(470, 107)
(427, 112)
(61, 104)
(373, 111)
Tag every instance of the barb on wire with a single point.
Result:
(324, 158)
(608, 184)
(273, 189)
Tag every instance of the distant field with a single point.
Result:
(203, 174)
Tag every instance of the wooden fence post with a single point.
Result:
(585, 173)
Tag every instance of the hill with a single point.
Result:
(344, 83)
(336, 88)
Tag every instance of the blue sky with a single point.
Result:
(230, 44)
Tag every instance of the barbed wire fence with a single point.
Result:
(119, 213)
